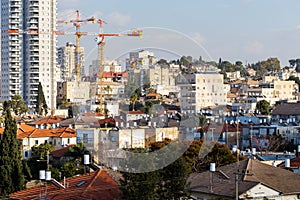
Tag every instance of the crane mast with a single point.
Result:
(101, 44)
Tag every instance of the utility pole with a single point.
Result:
(236, 186)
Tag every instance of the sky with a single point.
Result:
(244, 30)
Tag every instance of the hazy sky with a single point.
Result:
(246, 30)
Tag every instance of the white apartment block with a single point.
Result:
(66, 59)
(283, 90)
(28, 54)
(201, 90)
(162, 78)
(108, 66)
(141, 59)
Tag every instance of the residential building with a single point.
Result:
(97, 185)
(162, 77)
(132, 115)
(233, 75)
(201, 90)
(73, 92)
(66, 59)
(28, 57)
(59, 138)
(249, 179)
(140, 59)
(30, 136)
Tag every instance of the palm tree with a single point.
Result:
(133, 99)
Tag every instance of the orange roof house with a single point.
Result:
(97, 185)
(49, 120)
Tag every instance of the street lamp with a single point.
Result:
(251, 131)
(226, 134)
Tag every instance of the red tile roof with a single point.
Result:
(136, 112)
(64, 132)
(96, 185)
(59, 152)
(49, 120)
(22, 128)
(108, 120)
(113, 74)
(153, 95)
(96, 114)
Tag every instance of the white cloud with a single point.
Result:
(254, 48)
(118, 19)
(198, 37)
(298, 27)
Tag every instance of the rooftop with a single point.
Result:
(252, 172)
(97, 185)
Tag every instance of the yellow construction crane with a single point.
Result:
(77, 23)
(101, 44)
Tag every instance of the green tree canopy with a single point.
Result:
(41, 101)
(11, 176)
(40, 152)
(17, 104)
(263, 107)
(269, 65)
(164, 183)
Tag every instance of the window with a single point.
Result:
(36, 142)
(85, 138)
(26, 154)
(68, 140)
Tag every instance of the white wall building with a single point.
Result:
(201, 90)
(27, 57)
(67, 61)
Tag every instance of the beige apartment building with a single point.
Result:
(75, 92)
(201, 90)
(67, 61)
(280, 90)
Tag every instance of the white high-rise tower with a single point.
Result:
(28, 57)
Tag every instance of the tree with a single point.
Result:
(17, 104)
(137, 185)
(41, 151)
(269, 142)
(263, 107)
(296, 79)
(164, 183)
(134, 97)
(11, 176)
(292, 62)
(219, 154)
(172, 184)
(41, 101)
(297, 69)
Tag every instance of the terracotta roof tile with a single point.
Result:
(49, 120)
(96, 185)
(136, 112)
(60, 152)
(64, 132)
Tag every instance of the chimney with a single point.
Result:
(287, 163)
(212, 167)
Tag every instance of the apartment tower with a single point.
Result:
(28, 53)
